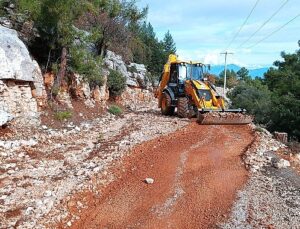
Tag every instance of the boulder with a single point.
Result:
(15, 61)
(149, 180)
(139, 68)
(135, 74)
(21, 81)
(5, 118)
(115, 62)
(281, 163)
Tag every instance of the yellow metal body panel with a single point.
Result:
(191, 87)
(165, 77)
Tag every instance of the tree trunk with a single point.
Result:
(61, 73)
(63, 66)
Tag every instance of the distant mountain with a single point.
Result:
(259, 72)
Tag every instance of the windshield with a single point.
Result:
(190, 71)
(195, 72)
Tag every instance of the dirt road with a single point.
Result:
(197, 172)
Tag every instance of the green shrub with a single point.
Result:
(132, 69)
(116, 83)
(259, 129)
(115, 110)
(255, 99)
(152, 78)
(55, 91)
(62, 115)
(87, 65)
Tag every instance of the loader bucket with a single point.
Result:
(226, 117)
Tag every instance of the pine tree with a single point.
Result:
(169, 44)
(243, 74)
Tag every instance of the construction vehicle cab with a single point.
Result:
(183, 85)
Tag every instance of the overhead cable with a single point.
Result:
(244, 23)
(266, 22)
(275, 31)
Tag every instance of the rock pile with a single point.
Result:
(257, 156)
(271, 198)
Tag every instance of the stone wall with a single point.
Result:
(16, 99)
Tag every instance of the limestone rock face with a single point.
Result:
(82, 88)
(90, 95)
(21, 80)
(135, 74)
(5, 118)
(16, 63)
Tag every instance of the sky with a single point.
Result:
(204, 29)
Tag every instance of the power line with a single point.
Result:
(266, 22)
(277, 30)
(242, 26)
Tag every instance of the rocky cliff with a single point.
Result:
(23, 87)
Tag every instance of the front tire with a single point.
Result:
(183, 107)
(166, 108)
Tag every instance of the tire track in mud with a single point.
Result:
(178, 191)
(197, 172)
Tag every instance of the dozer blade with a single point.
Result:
(224, 118)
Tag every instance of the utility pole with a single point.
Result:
(225, 70)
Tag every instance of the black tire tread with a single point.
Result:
(183, 107)
(170, 110)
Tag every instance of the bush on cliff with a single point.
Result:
(87, 65)
(116, 83)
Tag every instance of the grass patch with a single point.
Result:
(259, 129)
(62, 115)
(115, 110)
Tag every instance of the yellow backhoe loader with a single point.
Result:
(183, 86)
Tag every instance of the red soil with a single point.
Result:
(197, 172)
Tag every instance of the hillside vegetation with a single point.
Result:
(73, 35)
(274, 99)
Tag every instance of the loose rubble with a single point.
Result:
(41, 168)
(281, 163)
(271, 198)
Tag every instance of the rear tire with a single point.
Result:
(183, 107)
(166, 108)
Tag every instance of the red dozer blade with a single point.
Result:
(226, 117)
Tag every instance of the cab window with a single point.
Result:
(182, 72)
(173, 74)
